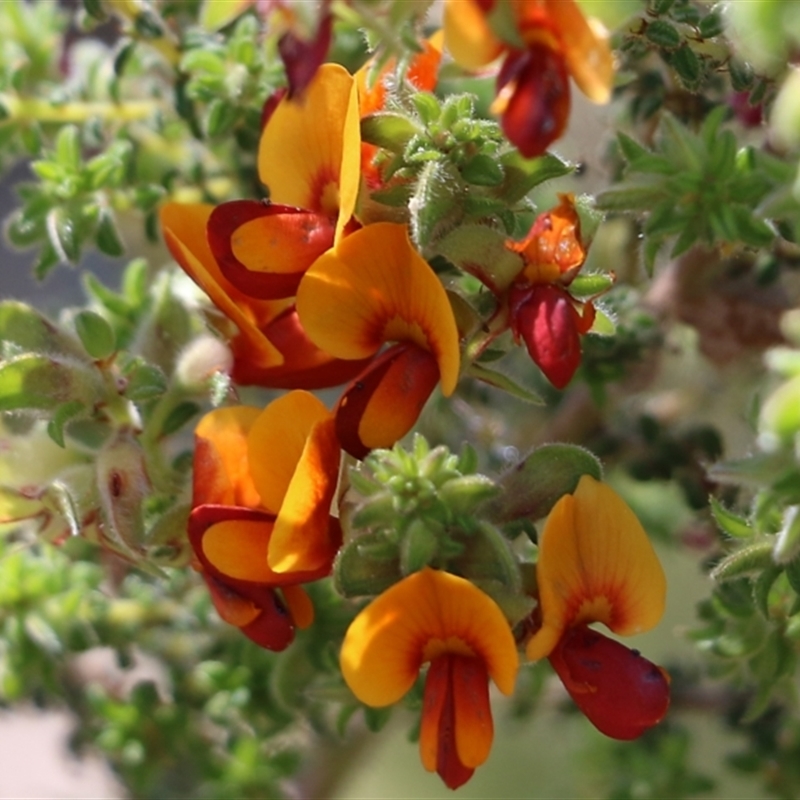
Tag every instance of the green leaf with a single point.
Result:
(220, 118)
(144, 382)
(427, 107)
(435, 207)
(357, 574)
(503, 382)
(630, 197)
(42, 383)
(389, 130)
(63, 235)
(590, 284)
(107, 237)
(64, 413)
(687, 64)
(663, 34)
(95, 334)
(748, 560)
(31, 331)
(178, 417)
(711, 25)
(482, 170)
(534, 486)
(524, 174)
(603, 324)
(68, 148)
(728, 522)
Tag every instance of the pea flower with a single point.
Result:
(309, 158)
(433, 616)
(543, 43)
(542, 311)
(373, 287)
(263, 485)
(596, 564)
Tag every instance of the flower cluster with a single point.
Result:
(321, 293)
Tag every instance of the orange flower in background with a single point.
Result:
(544, 43)
(270, 348)
(542, 311)
(309, 158)
(373, 288)
(263, 485)
(435, 617)
(596, 564)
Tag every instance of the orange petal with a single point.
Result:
(303, 537)
(552, 250)
(467, 35)
(300, 605)
(473, 715)
(595, 564)
(221, 470)
(310, 149)
(264, 249)
(294, 461)
(423, 616)
(184, 229)
(276, 441)
(374, 287)
(238, 549)
(586, 50)
(382, 404)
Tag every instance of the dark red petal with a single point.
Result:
(310, 235)
(272, 629)
(620, 692)
(538, 108)
(382, 404)
(546, 319)
(303, 57)
(305, 365)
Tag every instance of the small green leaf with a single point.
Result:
(64, 413)
(687, 64)
(711, 25)
(41, 382)
(68, 148)
(144, 382)
(754, 558)
(107, 237)
(630, 197)
(523, 174)
(603, 324)
(427, 107)
(663, 34)
(534, 486)
(220, 118)
(389, 130)
(95, 334)
(356, 573)
(728, 522)
(482, 170)
(502, 381)
(178, 417)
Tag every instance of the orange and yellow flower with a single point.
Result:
(544, 42)
(270, 347)
(372, 288)
(542, 312)
(264, 481)
(596, 564)
(309, 159)
(438, 618)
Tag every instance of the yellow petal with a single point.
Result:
(276, 441)
(238, 549)
(467, 35)
(586, 50)
(300, 606)
(310, 150)
(374, 287)
(184, 229)
(595, 564)
(302, 539)
(424, 615)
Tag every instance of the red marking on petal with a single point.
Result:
(305, 365)
(382, 404)
(439, 708)
(311, 235)
(537, 109)
(303, 57)
(546, 319)
(621, 693)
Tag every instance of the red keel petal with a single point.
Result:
(621, 693)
